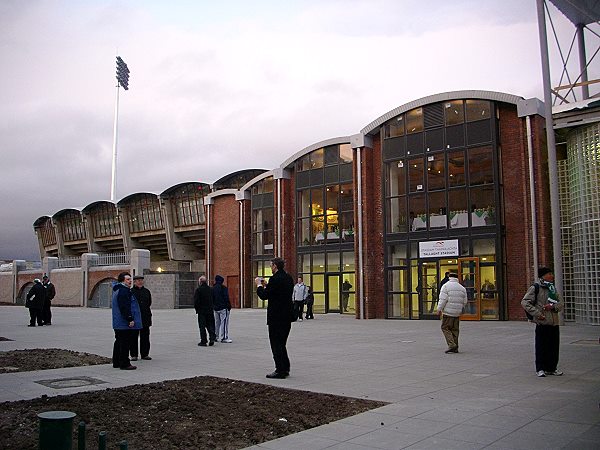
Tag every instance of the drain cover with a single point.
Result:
(63, 383)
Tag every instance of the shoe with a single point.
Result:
(31, 325)
(202, 344)
(300, 320)
(277, 375)
(211, 343)
(228, 341)
(129, 368)
(133, 358)
(147, 358)
(556, 373)
(540, 373)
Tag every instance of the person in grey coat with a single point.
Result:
(452, 300)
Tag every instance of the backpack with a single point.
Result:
(537, 289)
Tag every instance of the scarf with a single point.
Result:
(552, 290)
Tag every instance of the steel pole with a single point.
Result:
(534, 237)
(551, 143)
(113, 184)
(585, 90)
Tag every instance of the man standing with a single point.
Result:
(346, 286)
(543, 303)
(279, 314)
(222, 307)
(203, 304)
(299, 297)
(144, 298)
(126, 318)
(50, 293)
(453, 298)
(35, 302)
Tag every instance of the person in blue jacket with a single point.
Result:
(126, 319)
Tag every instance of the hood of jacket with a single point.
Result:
(219, 279)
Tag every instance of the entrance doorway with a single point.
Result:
(431, 273)
(333, 300)
(468, 276)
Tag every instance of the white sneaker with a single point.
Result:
(540, 373)
(228, 341)
(556, 373)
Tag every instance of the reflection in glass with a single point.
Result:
(480, 166)
(456, 168)
(437, 210)
(346, 155)
(316, 159)
(414, 121)
(436, 173)
(415, 175)
(483, 206)
(457, 207)
(417, 212)
(396, 179)
(455, 112)
(477, 110)
(397, 222)
(394, 127)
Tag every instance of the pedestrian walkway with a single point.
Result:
(487, 396)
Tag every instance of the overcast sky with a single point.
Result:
(219, 86)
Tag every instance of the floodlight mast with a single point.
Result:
(122, 80)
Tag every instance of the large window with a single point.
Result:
(145, 214)
(72, 227)
(188, 202)
(105, 221)
(263, 218)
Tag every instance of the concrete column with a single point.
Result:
(140, 261)
(49, 263)
(87, 260)
(18, 265)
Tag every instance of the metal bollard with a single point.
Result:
(102, 440)
(56, 430)
(81, 436)
(123, 445)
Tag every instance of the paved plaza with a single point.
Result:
(487, 396)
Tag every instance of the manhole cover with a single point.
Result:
(586, 342)
(4, 339)
(63, 383)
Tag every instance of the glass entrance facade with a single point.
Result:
(441, 183)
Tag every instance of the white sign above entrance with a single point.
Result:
(438, 249)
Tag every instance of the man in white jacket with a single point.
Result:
(452, 300)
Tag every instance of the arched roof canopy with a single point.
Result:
(288, 163)
(236, 180)
(97, 204)
(131, 197)
(256, 179)
(64, 212)
(40, 221)
(373, 127)
(202, 187)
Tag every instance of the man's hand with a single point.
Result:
(131, 324)
(548, 307)
(257, 281)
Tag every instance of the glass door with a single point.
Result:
(428, 289)
(333, 293)
(468, 276)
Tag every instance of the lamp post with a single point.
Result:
(122, 80)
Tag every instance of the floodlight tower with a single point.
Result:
(122, 80)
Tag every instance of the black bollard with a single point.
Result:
(102, 440)
(123, 445)
(81, 436)
(56, 430)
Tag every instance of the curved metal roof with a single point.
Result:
(256, 179)
(95, 204)
(170, 190)
(40, 220)
(62, 212)
(333, 141)
(130, 197)
(245, 174)
(373, 127)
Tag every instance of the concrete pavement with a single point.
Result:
(487, 396)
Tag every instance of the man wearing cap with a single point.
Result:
(203, 304)
(144, 298)
(126, 318)
(452, 300)
(543, 303)
(35, 302)
(50, 294)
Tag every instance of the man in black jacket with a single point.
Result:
(203, 304)
(50, 293)
(144, 298)
(35, 302)
(279, 314)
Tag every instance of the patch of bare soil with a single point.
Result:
(200, 412)
(46, 358)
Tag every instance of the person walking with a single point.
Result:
(310, 301)
(452, 300)
(50, 294)
(299, 297)
(203, 304)
(543, 303)
(278, 292)
(222, 308)
(35, 303)
(346, 286)
(126, 318)
(144, 298)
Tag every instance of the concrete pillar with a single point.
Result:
(140, 261)
(49, 263)
(87, 260)
(18, 265)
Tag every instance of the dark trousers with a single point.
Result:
(35, 314)
(547, 343)
(47, 313)
(309, 309)
(206, 321)
(123, 339)
(144, 336)
(278, 335)
(450, 329)
(299, 308)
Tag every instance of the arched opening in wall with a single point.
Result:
(102, 294)
(23, 293)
